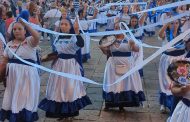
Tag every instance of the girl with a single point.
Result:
(124, 15)
(23, 82)
(129, 91)
(167, 33)
(135, 23)
(110, 22)
(64, 96)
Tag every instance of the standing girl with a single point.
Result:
(64, 96)
(128, 92)
(22, 91)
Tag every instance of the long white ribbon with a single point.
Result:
(71, 76)
(122, 3)
(110, 32)
(157, 53)
(136, 68)
(171, 5)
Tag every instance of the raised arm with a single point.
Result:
(35, 35)
(162, 30)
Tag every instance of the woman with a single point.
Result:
(23, 82)
(129, 91)
(166, 34)
(33, 10)
(124, 15)
(64, 96)
(134, 24)
(182, 110)
(110, 22)
(185, 21)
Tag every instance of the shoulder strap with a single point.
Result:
(16, 50)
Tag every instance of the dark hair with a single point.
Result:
(71, 31)
(9, 14)
(80, 12)
(72, 9)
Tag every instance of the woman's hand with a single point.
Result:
(185, 89)
(133, 46)
(178, 90)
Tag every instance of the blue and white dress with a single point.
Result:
(65, 96)
(182, 110)
(92, 25)
(168, 57)
(128, 92)
(20, 102)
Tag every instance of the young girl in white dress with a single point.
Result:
(22, 91)
(110, 22)
(64, 96)
(85, 26)
(128, 92)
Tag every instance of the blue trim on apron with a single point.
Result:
(175, 52)
(186, 102)
(77, 57)
(66, 56)
(17, 61)
(121, 54)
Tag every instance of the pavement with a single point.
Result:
(94, 69)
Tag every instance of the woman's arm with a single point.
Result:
(162, 30)
(3, 64)
(142, 19)
(178, 90)
(133, 46)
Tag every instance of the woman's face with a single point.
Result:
(64, 14)
(19, 31)
(125, 9)
(172, 24)
(65, 26)
(134, 22)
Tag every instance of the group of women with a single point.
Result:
(64, 96)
